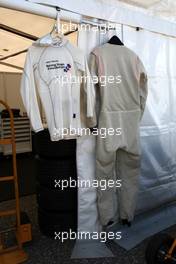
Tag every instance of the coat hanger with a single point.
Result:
(56, 34)
(116, 41)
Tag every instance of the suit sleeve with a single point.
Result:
(93, 66)
(29, 96)
(143, 83)
(91, 98)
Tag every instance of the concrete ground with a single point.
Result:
(44, 250)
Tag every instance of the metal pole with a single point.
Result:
(51, 12)
(39, 9)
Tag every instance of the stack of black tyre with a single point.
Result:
(56, 161)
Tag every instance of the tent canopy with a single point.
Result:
(19, 30)
(12, 43)
(13, 22)
(163, 8)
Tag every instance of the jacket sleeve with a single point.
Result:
(29, 96)
(90, 95)
(143, 83)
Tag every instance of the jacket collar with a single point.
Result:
(47, 40)
(76, 53)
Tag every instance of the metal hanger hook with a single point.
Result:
(58, 16)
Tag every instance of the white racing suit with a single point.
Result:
(122, 102)
(57, 74)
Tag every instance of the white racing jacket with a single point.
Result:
(54, 72)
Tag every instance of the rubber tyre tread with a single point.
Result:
(44, 147)
(154, 245)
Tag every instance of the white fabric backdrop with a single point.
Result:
(158, 127)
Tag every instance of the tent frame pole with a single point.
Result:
(50, 12)
(38, 9)
(73, 17)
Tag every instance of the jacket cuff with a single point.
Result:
(38, 130)
(91, 122)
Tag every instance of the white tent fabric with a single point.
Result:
(87, 208)
(162, 8)
(117, 12)
(165, 9)
(11, 43)
(109, 10)
(158, 127)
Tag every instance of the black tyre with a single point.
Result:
(44, 147)
(50, 222)
(57, 200)
(157, 249)
(49, 172)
